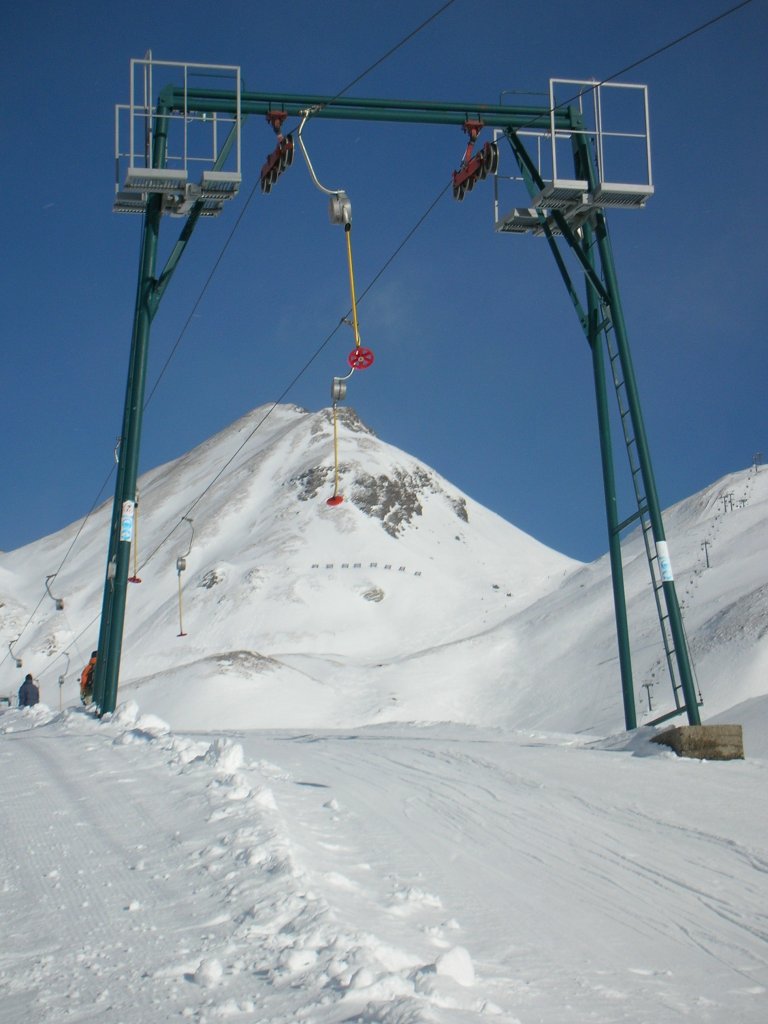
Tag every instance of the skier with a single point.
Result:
(29, 695)
(86, 680)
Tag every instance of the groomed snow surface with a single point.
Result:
(388, 874)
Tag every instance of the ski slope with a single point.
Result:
(382, 779)
(394, 874)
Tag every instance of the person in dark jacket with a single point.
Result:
(29, 695)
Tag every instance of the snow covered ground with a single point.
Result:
(392, 874)
(394, 786)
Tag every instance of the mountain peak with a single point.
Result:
(394, 496)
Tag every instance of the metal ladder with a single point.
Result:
(642, 513)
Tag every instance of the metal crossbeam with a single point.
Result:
(204, 101)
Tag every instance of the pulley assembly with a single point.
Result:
(281, 156)
(474, 166)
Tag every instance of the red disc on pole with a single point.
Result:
(335, 500)
(360, 358)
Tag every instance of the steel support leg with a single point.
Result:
(646, 469)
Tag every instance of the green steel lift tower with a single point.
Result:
(182, 158)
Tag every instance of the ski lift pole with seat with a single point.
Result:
(340, 212)
(338, 394)
(360, 358)
(62, 678)
(181, 565)
(135, 578)
(14, 655)
(56, 600)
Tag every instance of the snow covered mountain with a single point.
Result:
(427, 840)
(408, 602)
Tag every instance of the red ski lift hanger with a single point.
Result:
(477, 166)
(281, 156)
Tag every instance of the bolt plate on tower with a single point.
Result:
(219, 184)
(155, 179)
(611, 194)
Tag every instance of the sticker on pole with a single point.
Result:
(665, 566)
(126, 522)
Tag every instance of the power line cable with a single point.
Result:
(680, 39)
(200, 296)
(388, 54)
(641, 60)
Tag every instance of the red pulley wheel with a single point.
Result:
(360, 358)
(335, 500)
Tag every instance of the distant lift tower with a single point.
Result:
(182, 158)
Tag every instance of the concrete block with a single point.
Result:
(706, 742)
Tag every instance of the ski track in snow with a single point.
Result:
(138, 893)
(382, 876)
(494, 824)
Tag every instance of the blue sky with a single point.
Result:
(481, 368)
